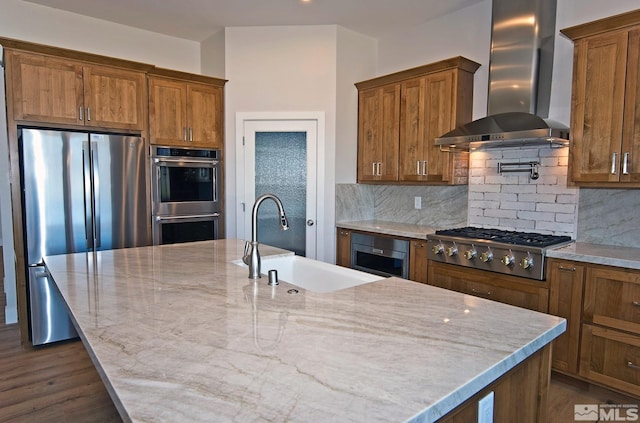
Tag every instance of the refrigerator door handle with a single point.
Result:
(95, 167)
(88, 196)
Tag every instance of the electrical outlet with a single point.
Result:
(485, 409)
(417, 202)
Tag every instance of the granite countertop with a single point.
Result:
(609, 255)
(407, 230)
(179, 333)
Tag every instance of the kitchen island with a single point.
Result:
(179, 333)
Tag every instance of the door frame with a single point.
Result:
(244, 204)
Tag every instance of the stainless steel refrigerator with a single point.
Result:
(82, 192)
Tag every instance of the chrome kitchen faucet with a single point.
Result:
(251, 254)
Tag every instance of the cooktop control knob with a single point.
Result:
(487, 256)
(452, 251)
(508, 259)
(527, 262)
(438, 249)
(471, 254)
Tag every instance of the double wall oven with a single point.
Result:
(186, 203)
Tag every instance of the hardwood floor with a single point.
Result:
(60, 384)
(50, 384)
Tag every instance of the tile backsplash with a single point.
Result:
(515, 201)
(442, 207)
(509, 201)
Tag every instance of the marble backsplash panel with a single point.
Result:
(442, 206)
(609, 216)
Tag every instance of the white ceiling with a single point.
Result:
(198, 19)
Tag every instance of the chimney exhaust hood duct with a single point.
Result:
(521, 62)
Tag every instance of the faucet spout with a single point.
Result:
(251, 253)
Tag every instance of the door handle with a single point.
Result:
(310, 222)
(614, 162)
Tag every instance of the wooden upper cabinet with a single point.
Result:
(114, 98)
(433, 99)
(605, 102)
(60, 91)
(378, 131)
(46, 89)
(185, 113)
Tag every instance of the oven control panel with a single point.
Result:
(495, 257)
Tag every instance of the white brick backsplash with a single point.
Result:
(536, 215)
(509, 214)
(555, 228)
(542, 198)
(520, 189)
(566, 198)
(516, 205)
(517, 224)
(556, 208)
(513, 201)
(501, 196)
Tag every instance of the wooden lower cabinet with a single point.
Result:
(418, 260)
(531, 294)
(565, 300)
(611, 358)
(519, 396)
(343, 247)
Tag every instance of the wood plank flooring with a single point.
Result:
(60, 384)
(50, 384)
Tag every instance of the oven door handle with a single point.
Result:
(167, 161)
(186, 217)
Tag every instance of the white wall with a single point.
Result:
(212, 52)
(39, 24)
(467, 32)
(356, 62)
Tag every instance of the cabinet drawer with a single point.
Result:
(611, 357)
(612, 298)
(507, 289)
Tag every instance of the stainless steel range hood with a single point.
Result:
(521, 62)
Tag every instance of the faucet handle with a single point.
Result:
(245, 256)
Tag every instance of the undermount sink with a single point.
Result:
(313, 275)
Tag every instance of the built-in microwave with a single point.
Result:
(380, 255)
(185, 181)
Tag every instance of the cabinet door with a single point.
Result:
(630, 171)
(204, 115)
(413, 158)
(418, 261)
(565, 300)
(46, 89)
(507, 289)
(343, 247)
(114, 98)
(378, 133)
(440, 117)
(597, 107)
(167, 111)
(612, 298)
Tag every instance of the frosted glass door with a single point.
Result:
(281, 169)
(280, 158)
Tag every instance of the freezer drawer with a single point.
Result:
(50, 320)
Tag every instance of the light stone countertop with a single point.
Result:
(610, 255)
(179, 333)
(407, 230)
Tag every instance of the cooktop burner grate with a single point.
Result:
(506, 237)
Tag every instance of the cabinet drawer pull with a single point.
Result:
(80, 109)
(88, 114)
(632, 366)
(636, 303)
(475, 291)
(569, 269)
(614, 161)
